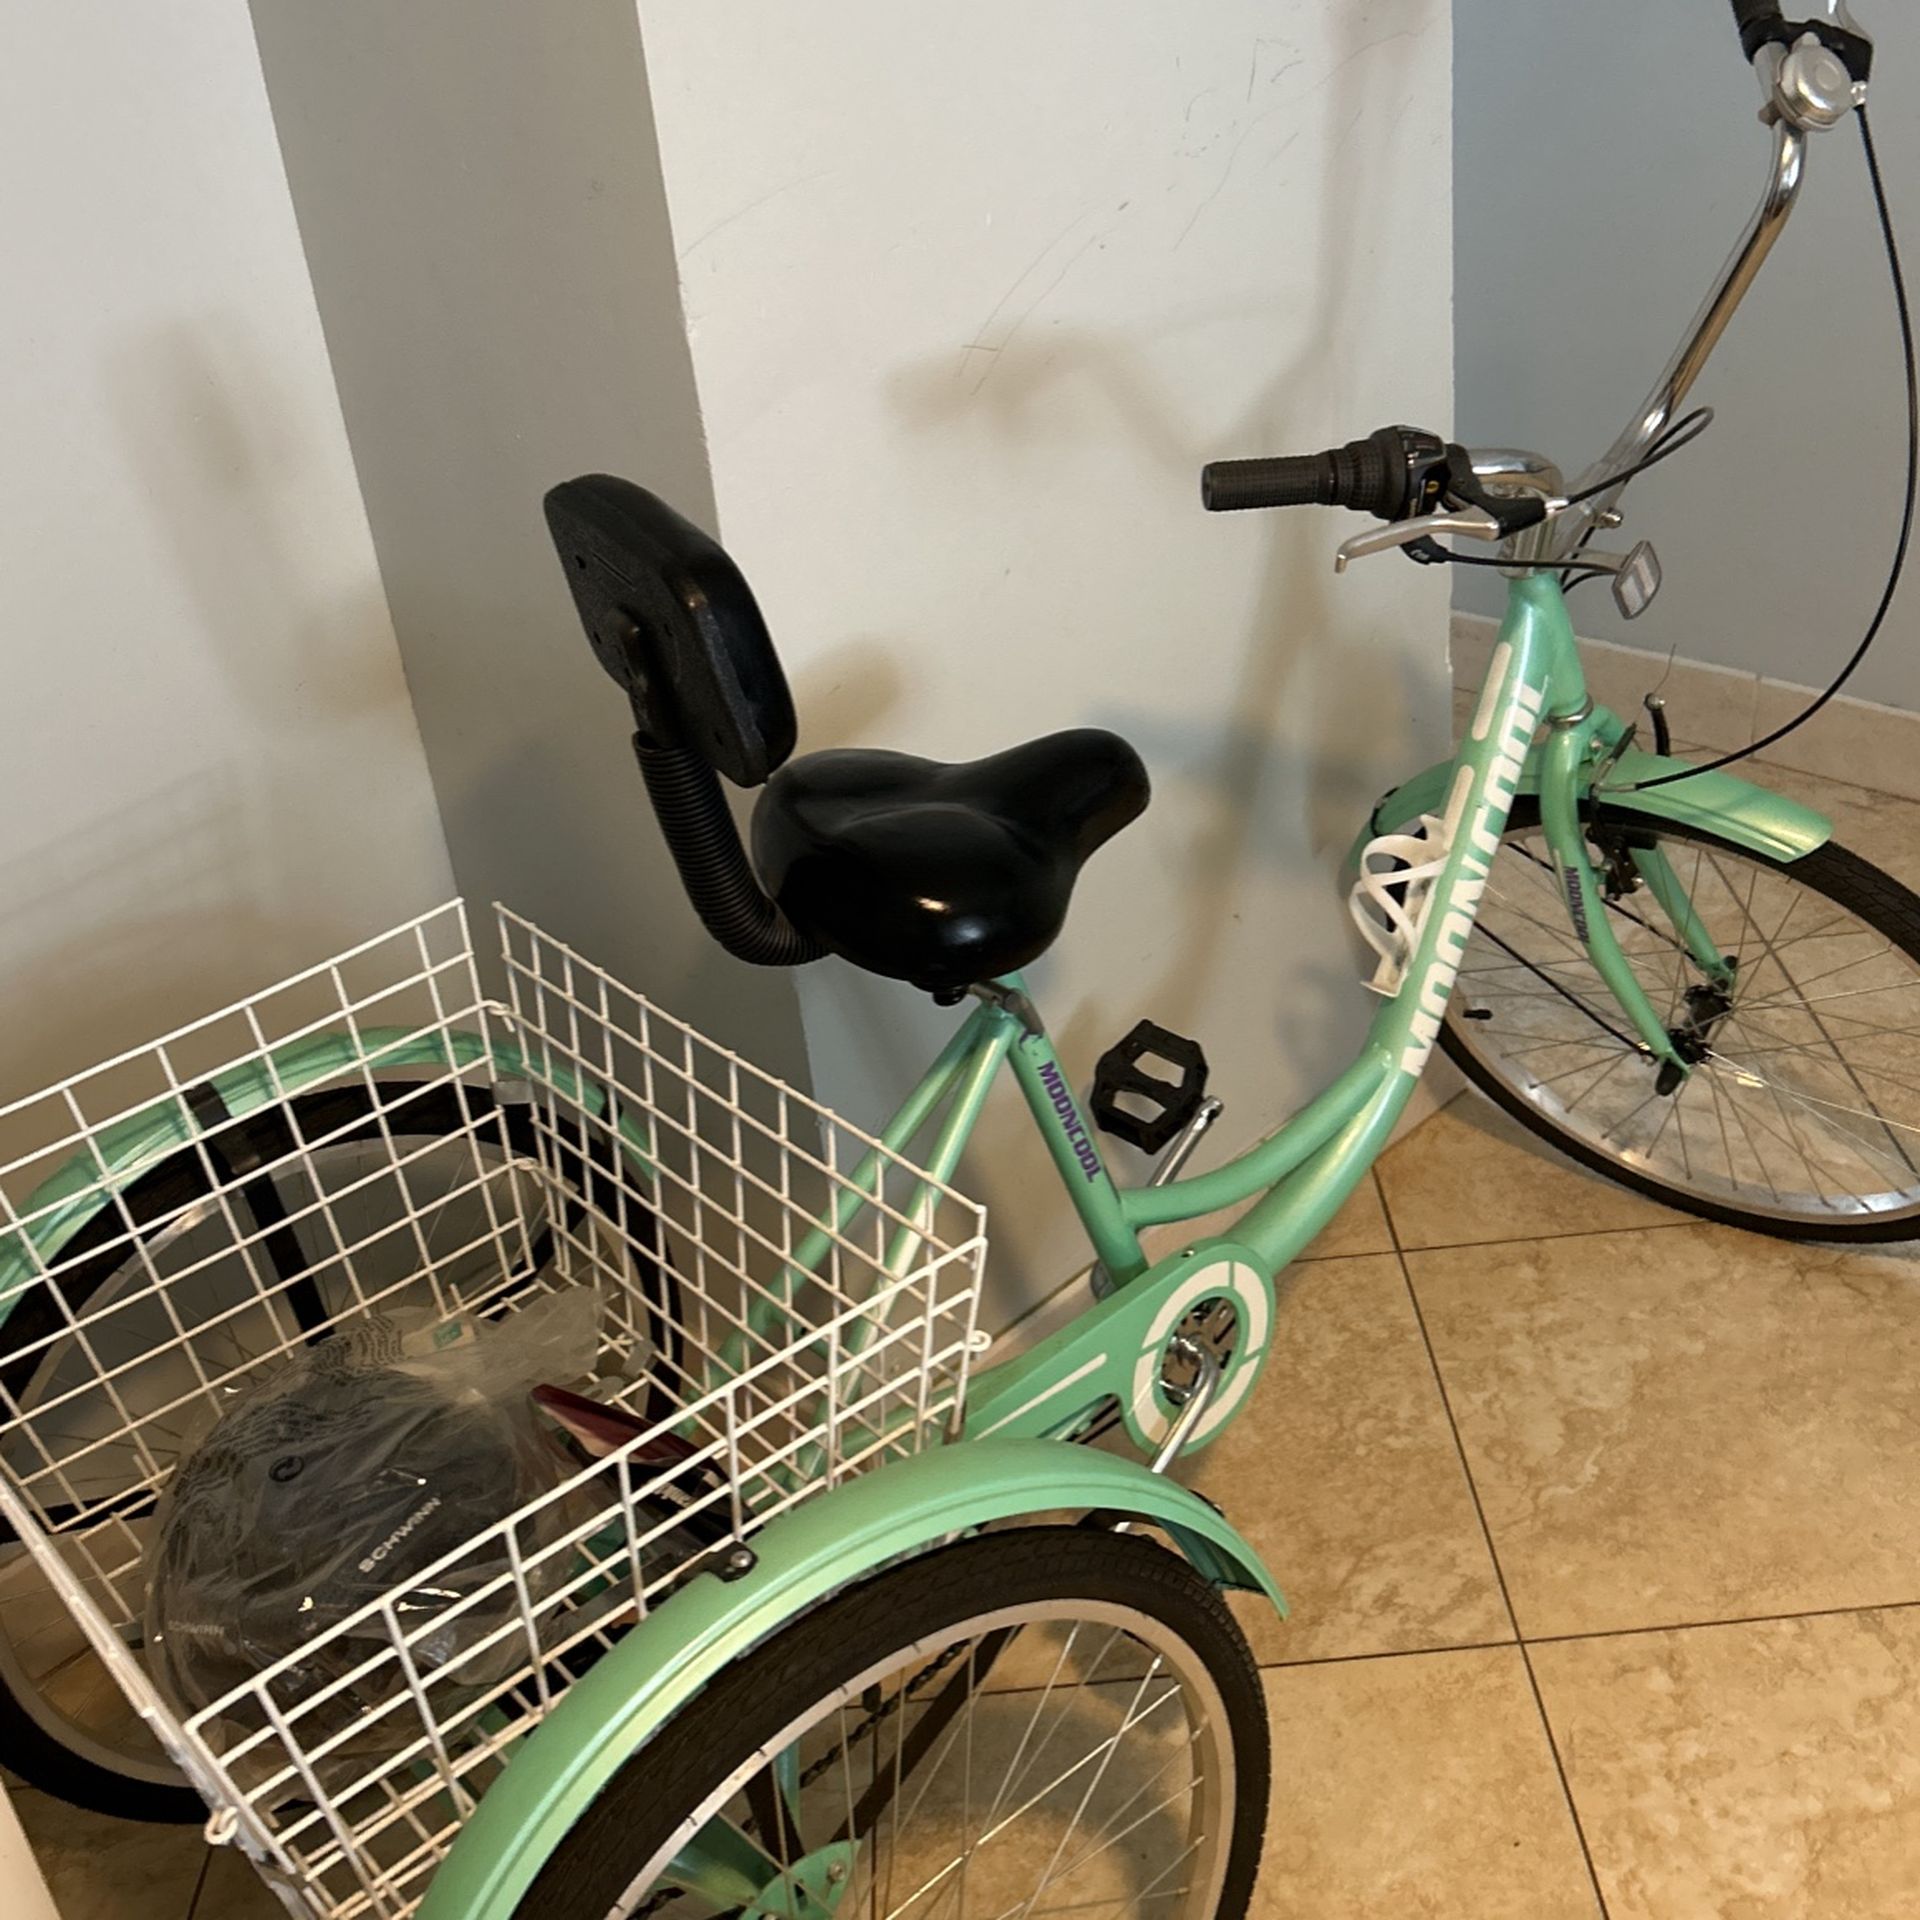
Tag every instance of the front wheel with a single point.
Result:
(1025, 1723)
(1801, 1115)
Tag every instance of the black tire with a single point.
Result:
(1839, 876)
(695, 1754)
(102, 1248)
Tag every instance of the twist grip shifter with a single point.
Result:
(1391, 474)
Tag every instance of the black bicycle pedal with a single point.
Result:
(1156, 1108)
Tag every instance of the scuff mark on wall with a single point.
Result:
(753, 206)
(997, 332)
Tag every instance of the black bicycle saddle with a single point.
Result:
(942, 875)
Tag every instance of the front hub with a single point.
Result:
(1707, 1006)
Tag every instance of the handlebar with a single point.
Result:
(1419, 484)
(1813, 75)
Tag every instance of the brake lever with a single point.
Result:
(1466, 523)
(1472, 512)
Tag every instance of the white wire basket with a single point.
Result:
(781, 1301)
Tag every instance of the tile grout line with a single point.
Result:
(1386, 1653)
(1525, 1239)
(1493, 1555)
(1708, 1626)
(1518, 1639)
(199, 1887)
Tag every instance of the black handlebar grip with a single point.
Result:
(1293, 480)
(1368, 475)
(1753, 18)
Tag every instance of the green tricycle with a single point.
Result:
(863, 1611)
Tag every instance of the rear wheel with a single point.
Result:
(173, 1260)
(1801, 1116)
(1032, 1723)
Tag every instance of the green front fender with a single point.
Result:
(1718, 803)
(820, 1547)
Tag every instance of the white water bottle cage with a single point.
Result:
(1394, 892)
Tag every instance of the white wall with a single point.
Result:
(1607, 158)
(972, 293)
(212, 772)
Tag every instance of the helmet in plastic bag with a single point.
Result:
(341, 1479)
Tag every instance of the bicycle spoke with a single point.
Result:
(1092, 1786)
(1853, 1073)
(1099, 1758)
(1110, 1835)
(1015, 1782)
(1721, 1108)
(1834, 972)
(1151, 1891)
(1825, 999)
(1619, 1060)
(1807, 1102)
(1792, 1137)
(1801, 1049)
(1863, 1029)
(1813, 1102)
(1614, 1058)
(1572, 999)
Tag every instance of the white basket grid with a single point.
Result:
(781, 1299)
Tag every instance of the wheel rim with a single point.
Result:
(1088, 1770)
(457, 1192)
(1804, 1106)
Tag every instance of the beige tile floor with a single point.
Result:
(1601, 1533)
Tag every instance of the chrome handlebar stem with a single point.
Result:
(1805, 89)
(1785, 175)
(1515, 470)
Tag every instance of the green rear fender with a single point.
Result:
(902, 1509)
(1719, 803)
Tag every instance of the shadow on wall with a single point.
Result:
(1300, 739)
(850, 693)
(159, 895)
(122, 928)
(207, 430)
(555, 819)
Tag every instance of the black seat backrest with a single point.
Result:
(675, 624)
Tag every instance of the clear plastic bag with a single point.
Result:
(341, 1476)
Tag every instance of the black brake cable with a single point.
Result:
(1682, 434)
(1905, 541)
(1566, 993)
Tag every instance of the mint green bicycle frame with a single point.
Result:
(1294, 1181)
(1535, 730)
